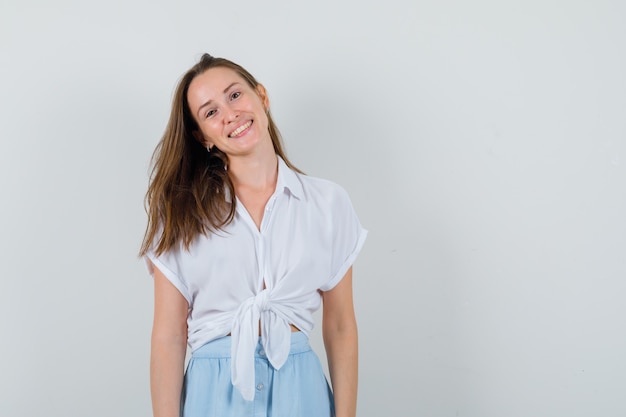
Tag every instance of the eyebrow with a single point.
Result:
(209, 102)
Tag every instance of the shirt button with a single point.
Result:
(259, 387)
(262, 352)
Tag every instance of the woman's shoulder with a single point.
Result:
(317, 185)
(324, 193)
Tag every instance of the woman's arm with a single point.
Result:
(169, 342)
(341, 341)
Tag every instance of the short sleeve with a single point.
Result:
(348, 237)
(167, 264)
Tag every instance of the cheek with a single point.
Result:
(210, 129)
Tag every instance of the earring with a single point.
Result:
(208, 148)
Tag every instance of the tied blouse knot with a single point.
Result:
(275, 339)
(241, 278)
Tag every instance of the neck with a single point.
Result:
(254, 172)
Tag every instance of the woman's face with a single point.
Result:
(230, 114)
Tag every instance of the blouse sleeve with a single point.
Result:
(348, 237)
(168, 265)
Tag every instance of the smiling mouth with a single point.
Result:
(240, 129)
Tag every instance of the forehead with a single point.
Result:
(210, 85)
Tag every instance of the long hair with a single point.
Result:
(190, 192)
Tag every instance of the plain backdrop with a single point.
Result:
(483, 144)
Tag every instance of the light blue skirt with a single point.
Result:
(298, 389)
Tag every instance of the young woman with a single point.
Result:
(244, 248)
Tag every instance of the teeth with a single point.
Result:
(240, 129)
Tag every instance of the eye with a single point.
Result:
(210, 113)
(235, 95)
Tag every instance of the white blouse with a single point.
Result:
(308, 239)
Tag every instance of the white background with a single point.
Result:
(483, 144)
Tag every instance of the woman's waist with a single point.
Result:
(291, 326)
(221, 347)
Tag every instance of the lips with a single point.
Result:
(237, 132)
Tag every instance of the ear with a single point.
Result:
(197, 135)
(260, 90)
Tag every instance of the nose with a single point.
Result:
(230, 114)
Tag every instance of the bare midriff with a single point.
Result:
(293, 329)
